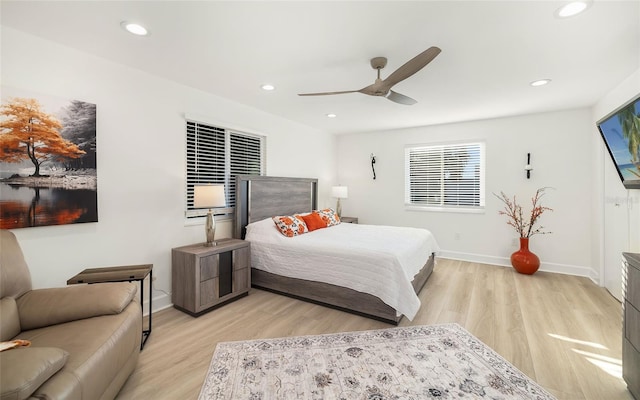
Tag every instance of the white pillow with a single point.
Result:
(264, 230)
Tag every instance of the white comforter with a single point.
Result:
(378, 260)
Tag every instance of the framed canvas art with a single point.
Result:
(48, 170)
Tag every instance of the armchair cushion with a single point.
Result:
(15, 279)
(10, 325)
(44, 307)
(25, 369)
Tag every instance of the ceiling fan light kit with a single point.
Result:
(382, 88)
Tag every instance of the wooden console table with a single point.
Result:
(121, 274)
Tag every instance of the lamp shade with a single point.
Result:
(208, 196)
(340, 192)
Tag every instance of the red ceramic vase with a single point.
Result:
(524, 261)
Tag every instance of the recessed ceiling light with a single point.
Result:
(331, 115)
(268, 87)
(134, 28)
(571, 9)
(540, 82)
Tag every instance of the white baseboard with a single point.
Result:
(163, 300)
(160, 302)
(566, 269)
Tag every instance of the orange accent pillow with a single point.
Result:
(314, 221)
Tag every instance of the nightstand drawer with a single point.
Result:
(242, 279)
(208, 292)
(208, 267)
(241, 258)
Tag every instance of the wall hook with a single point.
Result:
(373, 161)
(528, 167)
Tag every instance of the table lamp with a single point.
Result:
(209, 196)
(340, 192)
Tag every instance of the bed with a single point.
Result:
(381, 282)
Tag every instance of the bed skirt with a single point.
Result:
(337, 297)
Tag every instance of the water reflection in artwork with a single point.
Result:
(22, 207)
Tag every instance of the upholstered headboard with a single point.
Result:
(260, 197)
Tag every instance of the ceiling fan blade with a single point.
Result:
(400, 98)
(327, 93)
(412, 66)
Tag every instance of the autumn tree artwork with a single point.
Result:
(30, 133)
(48, 160)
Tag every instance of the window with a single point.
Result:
(445, 176)
(217, 155)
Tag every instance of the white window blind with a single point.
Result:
(218, 155)
(445, 176)
(245, 159)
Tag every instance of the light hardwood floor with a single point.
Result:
(562, 331)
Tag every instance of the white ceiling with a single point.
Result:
(491, 50)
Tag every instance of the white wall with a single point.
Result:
(141, 160)
(559, 143)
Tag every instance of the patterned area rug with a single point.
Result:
(420, 362)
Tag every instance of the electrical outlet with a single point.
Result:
(456, 236)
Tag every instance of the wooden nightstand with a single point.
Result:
(204, 278)
(349, 220)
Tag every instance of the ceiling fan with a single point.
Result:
(383, 87)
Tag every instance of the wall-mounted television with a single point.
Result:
(621, 133)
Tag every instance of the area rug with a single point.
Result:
(419, 362)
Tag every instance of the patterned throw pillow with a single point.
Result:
(329, 216)
(290, 225)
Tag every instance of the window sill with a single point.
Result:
(460, 210)
(202, 220)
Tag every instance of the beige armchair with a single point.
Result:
(85, 339)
